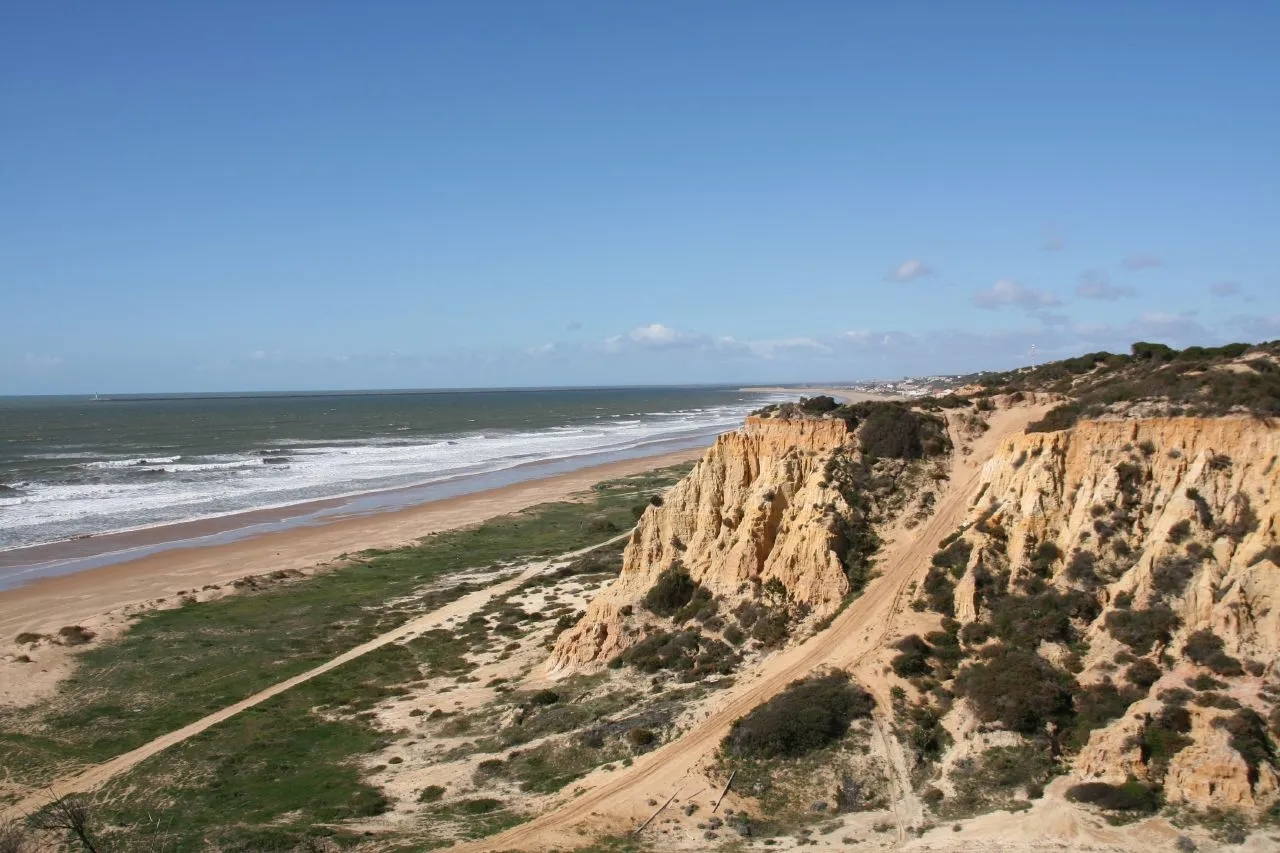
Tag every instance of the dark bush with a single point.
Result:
(656, 500)
(1142, 673)
(734, 635)
(772, 628)
(806, 716)
(818, 405)
(1018, 688)
(1097, 705)
(954, 557)
(1180, 532)
(1129, 797)
(975, 633)
(894, 431)
(545, 697)
(1153, 352)
(1205, 648)
(1043, 558)
(1203, 513)
(1249, 738)
(74, 635)
(671, 591)
(1164, 736)
(1028, 620)
(431, 794)
(1205, 682)
(912, 659)
(1060, 417)
(688, 653)
(640, 737)
(939, 591)
(1171, 574)
(1082, 569)
(1140, 630)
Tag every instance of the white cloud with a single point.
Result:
(909, 270)
(1225, 288)
(1141, 262)
(258, 355)
(654, 333)
(1053, 243)
(541, 349)
(1096, 284)
(1007, 292)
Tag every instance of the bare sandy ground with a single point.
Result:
(104, 600)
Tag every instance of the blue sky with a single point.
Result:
(275, 195)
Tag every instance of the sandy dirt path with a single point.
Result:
(97, 775)
(620, 800)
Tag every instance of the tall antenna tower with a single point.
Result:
(1033, 353)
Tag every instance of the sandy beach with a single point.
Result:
(88, 596)
(844, 395)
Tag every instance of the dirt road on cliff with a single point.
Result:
(620, 800)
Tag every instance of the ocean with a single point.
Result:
(74, 467)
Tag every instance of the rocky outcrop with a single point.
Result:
(758, 506)
(1180, 513)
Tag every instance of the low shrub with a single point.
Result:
(1043, 558)
(894, 431)
(1163, 737)
(1097, 705)
(939, 591)
(1130, 797)
(673, 590)
(912, 659)
(1018, 688)
(1248, 732)
(1205, 682)
(1205, 648)
(688, 653)
(954, 557)
(74, 635)
(1044, 616)
(1171, 574)
(1142, 673)
(1141, 630)
(807, 715)
(1058, 418)
(1180, 532)
(640, 737)
(431, 794)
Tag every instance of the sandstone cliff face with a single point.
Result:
(756, 507)
(1137, 495)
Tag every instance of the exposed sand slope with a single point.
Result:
(620, 801)
(95, 776)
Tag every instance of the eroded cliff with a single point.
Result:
(1138, 560)
(757, 507)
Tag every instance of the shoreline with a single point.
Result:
(847, 396)
(46, 603)
(30, 564)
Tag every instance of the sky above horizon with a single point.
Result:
(277, 195)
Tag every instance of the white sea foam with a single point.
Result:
(173, 488)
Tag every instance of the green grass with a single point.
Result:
(280, 758)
